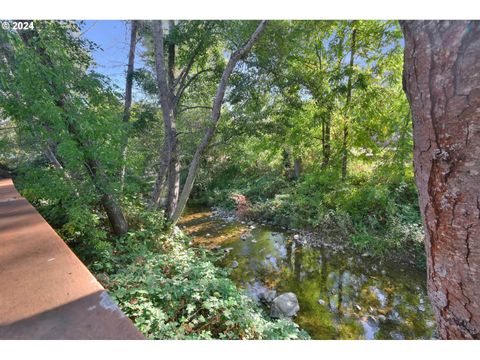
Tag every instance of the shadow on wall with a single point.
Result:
(94, 316)
(46, 292)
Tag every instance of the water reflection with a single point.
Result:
(341, 296)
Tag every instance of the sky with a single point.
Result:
(113, 37)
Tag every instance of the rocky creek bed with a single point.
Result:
(340, 294)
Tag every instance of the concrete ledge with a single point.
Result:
(46, 292)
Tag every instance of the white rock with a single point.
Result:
(284, 306)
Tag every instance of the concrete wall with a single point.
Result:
(46, 292)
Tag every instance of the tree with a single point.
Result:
(128, 96)
(170, 99)
(347, 103)
(235, 57)
(60, 107)
(165, 86)
(442, 83)
(173, 78)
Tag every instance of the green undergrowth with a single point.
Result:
(173, 291)
(168, 288)
(368, 213)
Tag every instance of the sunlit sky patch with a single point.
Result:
(113, 38)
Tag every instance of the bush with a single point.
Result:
(374, 214)
(172, 291)
(75, 215)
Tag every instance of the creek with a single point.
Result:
(342, 294)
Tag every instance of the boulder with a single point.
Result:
(284, 306)
(267, 296)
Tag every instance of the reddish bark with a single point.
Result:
(442, 83)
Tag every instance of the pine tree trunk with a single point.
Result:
(442, 83)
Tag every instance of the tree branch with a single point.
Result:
(194, 107)
(217, 104)
(184, 85)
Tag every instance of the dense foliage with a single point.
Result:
(174, 291)
(315, 132)
(284, 146)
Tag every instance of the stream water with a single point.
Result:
(341, 295)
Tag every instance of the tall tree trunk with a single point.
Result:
(160, 182)
(442, 83)
(326, 142)
(174, 164)
(128, 99)
(169, 173)
(347, 105)
(173, 176)
(166, 103)
(171, 90)
(216, 109)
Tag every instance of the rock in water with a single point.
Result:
(267, 296)
(245, 236)
(284, 306)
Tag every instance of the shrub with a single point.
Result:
(172, 291)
